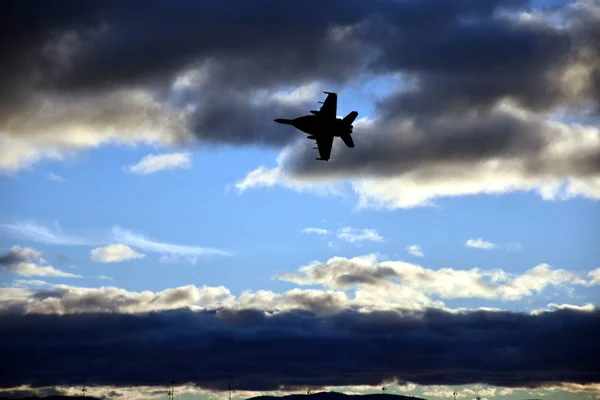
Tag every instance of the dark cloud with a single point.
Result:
(91, 54)
(81, 49)
(298, 348)
(103, 45)
(463, 65)
(11, 258)
(227, 117)
(445, 143)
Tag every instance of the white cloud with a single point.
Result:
(266, 177)
(355, 235)
(316, 231)
(553, 307)
(114, 253)
(52, 176)
(30, 262)
(362, 283)
(141, 242)
(386, 280)
(594, 276)
(39, 233)
(153, 163)
(415, 250)
(479, 243)
(69, 299)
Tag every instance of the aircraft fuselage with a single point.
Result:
(316, 125)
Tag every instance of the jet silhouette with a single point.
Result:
(323, 125)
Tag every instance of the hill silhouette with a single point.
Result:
(338, 396)
(52, 397)
(314, 396)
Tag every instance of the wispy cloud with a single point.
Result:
(52, 176)
(35, 232)
(114, 253)
(415, 250)
(43, 234)
(29, 283)
(139, 241)
(512, 246)
(479, 243)
(355, 235)
(157, 162)
(316, 231)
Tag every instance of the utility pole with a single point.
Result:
(83, 391)
(455, 394)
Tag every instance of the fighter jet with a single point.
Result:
(323, 125)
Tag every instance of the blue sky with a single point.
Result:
(238, 218)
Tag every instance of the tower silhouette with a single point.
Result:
(454, 394)
(83, 390)
(231, 387)
(383, 389)
(171, 391)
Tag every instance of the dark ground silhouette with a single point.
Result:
(337, 396)
(314, 396)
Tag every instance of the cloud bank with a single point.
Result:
(371, 321)
(299, 348)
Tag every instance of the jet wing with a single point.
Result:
(329, 107)
(324, 144)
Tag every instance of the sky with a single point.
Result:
(156, 224)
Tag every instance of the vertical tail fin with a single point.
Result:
(347, 140)
(349, 119)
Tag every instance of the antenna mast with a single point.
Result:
(171, 392)
(231, 387)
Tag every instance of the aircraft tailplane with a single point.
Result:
(347, 139)
(284, 121)
(349, 119)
